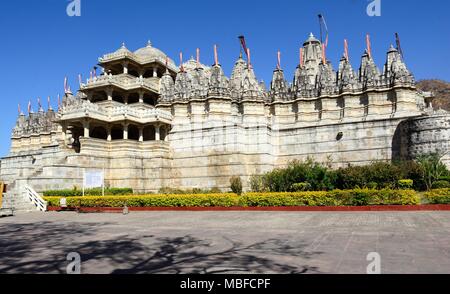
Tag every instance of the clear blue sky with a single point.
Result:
(40, 44)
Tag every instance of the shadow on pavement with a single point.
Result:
(43, 247)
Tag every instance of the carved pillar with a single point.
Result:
(141, 74)
(89, 96)
(166, 133)
(155, 72)
(125, 131)
(64, 133)
(125, 67)
(157, 132)
(86, 128)
(125, 98)
(108, 132)
(141, 96)
(141, 134)
(109, 93)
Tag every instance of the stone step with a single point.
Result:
(17, 201)
(6, 212)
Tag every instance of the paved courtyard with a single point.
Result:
(226, 242)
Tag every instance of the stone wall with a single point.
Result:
(430, 134)
(212, 140)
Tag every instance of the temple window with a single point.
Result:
(116, 132)
(149, 133)
(99, 96)
(98, 132)
(163, 133)
(133, 98)
(119, 97)
(133, 132)
(150, 99)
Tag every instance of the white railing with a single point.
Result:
(35, 199)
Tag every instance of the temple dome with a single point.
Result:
(311, 39)
(150, 52)
(122, 49)
(191, 65)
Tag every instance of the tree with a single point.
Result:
(432, 168)
(236, 185)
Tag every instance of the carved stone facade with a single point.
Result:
(149, 124)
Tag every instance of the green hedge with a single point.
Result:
(89, 192)
(357, 197)
(173, 200)
(438, 196)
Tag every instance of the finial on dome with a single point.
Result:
(311, 35)
(392, 48)
(20, 110)
(123, 45)
(49, 104)
(149, 43)
(198, 57)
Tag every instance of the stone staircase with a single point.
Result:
(17, 199)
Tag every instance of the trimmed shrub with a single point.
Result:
(236, 185)
(157, 200)
(257, 183)
(89, 192)
(167, 190)
(372, 185)
(375, 175)
(318, 176)
(412, 170)
(317, 198)
(441, 184)
(299, 187)
(357, 197)
(432, 168)
(438, 196)
(405, 184)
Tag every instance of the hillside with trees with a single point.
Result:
(441, 90)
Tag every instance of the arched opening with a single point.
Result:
(77, 130)
(133, 98)
(133, 132)
(149, 133)
(117, 96)
(150, 99)
(98, 132)
(99, 96)
(160, 72)
(116, 69)
(148, 73)
(163, 132)
(364, 101)
(116, 132)
(133, 71)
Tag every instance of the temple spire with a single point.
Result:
(30, 110)
(181, 62)
(346, 50)
(216, 57)
(40, 109)
(249, 63)
(49, 105)
(278, 60)
(198, 57)
(368, 46)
